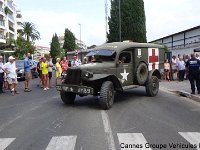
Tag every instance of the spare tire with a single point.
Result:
(141, 73)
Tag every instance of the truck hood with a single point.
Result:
(97, 67)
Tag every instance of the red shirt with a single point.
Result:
(64, 65)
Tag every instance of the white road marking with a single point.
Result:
(108, 131)
(4, 125)
(132, 139)
(4, 142)
(62, 143)
(192, 137)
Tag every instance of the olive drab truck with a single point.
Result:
(114, 67)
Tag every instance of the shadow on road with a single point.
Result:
(93, 102)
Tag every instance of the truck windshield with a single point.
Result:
(101, 55)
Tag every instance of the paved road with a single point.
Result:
(38, 120)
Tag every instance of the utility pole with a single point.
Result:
(106, 17)
(120, 30)
(80, 43)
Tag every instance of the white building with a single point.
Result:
(183, 42)
(79, 43)
(8, 20)
(40, 51)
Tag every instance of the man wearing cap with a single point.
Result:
(1, 75)
(10, 69)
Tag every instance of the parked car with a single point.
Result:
(33, 65)
(20, 69)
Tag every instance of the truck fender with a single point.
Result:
(154, 72)
(107, 77)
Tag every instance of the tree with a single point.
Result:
(23, 47)
(133, 21)
(55, 47)
(29, 31)
(69, 41)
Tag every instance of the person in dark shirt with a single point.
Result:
(192, 68)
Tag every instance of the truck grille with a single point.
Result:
(73, 76)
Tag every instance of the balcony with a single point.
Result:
(2, 38)
(9, 3)
(11, 29)
(2, 11)
(2, 24)
(11, 17)
(2, 1)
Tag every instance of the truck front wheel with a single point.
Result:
(67, 98)
(107, 95)
(152, 86)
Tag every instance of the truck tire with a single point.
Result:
(107, 95)
(67, 97)
(152, 86)
(141, 73)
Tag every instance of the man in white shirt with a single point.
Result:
(75, 62)
(10, 69)
(1, 75)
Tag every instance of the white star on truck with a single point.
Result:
(124, 75)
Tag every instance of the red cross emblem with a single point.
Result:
(153, 58)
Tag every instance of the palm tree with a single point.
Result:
(29, 31)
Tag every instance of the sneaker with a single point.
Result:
(193, 92)
(45, 89)
(26, 90)
(12, 93)
(16, 92)
(198, 92)
(29, 89)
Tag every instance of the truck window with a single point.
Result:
(124, 57)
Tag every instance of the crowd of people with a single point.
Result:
(184, 67)
(45, 68)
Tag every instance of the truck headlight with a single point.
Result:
(88, 74)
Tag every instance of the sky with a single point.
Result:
(163, 17)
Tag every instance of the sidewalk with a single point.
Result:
(182, 88)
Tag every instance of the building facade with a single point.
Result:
(9, 20)
(79, 43)
(40, 51)
(183, 42)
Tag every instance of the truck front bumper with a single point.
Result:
(75, 89)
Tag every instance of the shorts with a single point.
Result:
(50, 75)
(174, 70)
(12, 80)
(40, 73)
(166, 70)
(27, 75)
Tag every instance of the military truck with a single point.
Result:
(114, 67)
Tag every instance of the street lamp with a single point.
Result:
(80, 43)
(80, 34)
(120, 20)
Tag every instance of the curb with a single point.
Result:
(183, 93)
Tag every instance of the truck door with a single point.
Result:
(125, 68)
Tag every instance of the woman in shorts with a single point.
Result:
(166, 70)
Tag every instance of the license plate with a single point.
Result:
(76, 89)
